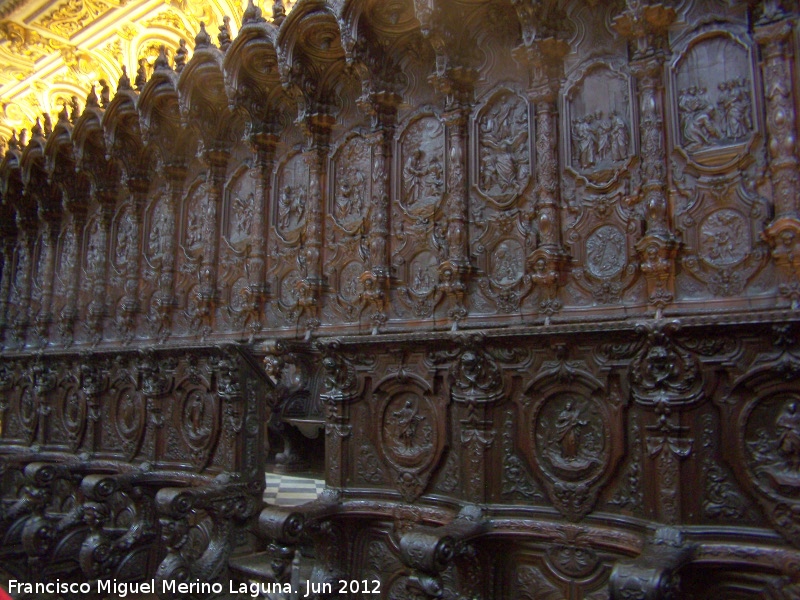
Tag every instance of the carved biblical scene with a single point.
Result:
(351, 191)
(772, 444)
(124, 238)
(599, 126)
(422, 183)
(158, 231)
(503, 148)
(606, 252)
(197, 207)
(350, 286)
(240, 217)
(507, 263)
(291, 196)
(724, 238)
(423, 273)
(713, 95)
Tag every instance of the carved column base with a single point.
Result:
(783, 237)
(657, 261)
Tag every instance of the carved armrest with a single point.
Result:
(430, 550)
(653, 574)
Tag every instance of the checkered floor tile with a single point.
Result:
(285, 490)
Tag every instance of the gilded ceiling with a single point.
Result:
(52, 50)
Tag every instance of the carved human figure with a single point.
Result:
(619, 137)
(583, 139)
(196, 415)
(124, 238)
(697, 117)
(507, 265)
(788, 426)
(242, 216)
(350, 199)
(405, 422)
(158, 231)
(503, 134)
(568, 426)
(422, 178)
(734, 104)
(291, 206)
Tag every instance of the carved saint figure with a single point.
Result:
(196, 416)
(242, 216)
(422, 178)
(291, 206)
(597, 138)
(697, 117)
(503, 137)
(158, 233)
(124, 238)
(507, 265)
(350, 199)
(619, 137)
(788, 426)
(568, 426)
(734, 104)
(405, 423)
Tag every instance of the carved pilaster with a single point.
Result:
(9, 242)
(645, 26)
(257, 291)
(458, 83)
(548, 264)
(45, 316)
(99, 265)
(341, 388)
(375, 281)
(164, 300)
(783, 234)
(23, 276)
(69, 314)
(218, 162)
(319, 126)
(138, 187)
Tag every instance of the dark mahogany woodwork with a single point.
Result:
(531, 267)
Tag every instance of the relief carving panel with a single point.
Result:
(712, 99)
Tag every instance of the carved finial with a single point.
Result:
(105, 93)
(162, 62)
(36, 130)
(91, 99)
(23, 138)
(141, 75)
(224, 36)
(180, 55)
(202, 39)
(76, 109)
(13, 143)
(252, 14)
(48, 124)
(278, 12)
(124, 82)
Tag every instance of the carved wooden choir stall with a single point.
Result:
(532, 265)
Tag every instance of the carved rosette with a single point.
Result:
(409, 432)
